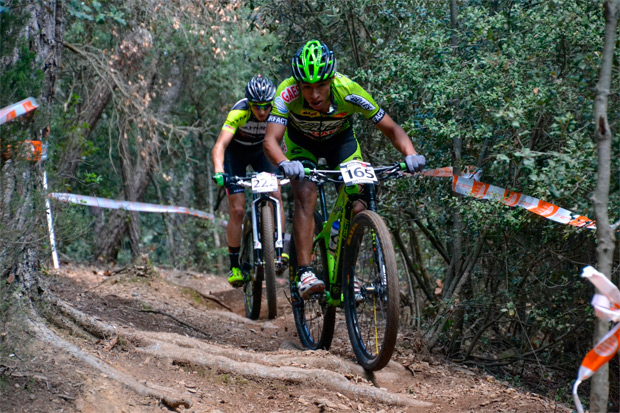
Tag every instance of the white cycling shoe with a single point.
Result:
(309, 284)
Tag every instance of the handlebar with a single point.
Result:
(246, 181)
(383, 172)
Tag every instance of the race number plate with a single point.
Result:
(264, 182)
(357, 172)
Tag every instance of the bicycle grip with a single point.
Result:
(307, 171)
(403, 166)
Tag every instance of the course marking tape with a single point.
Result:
(607, 308)
(467, 184)
(129, 205)
(18, 109)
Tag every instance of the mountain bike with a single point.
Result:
(357, 265)
(260, 256)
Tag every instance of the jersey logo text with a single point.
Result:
(378, 116)
(360, 101)
(290, 93)
(277, 119)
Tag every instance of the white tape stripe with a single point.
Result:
(17, 109)
(128, 205)
(602, 283)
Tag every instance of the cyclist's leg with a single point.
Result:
(234, 164)
(305, 201)
(303, 220)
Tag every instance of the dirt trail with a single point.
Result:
(163, 338)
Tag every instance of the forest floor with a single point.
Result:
(184, 334)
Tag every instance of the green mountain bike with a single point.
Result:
(261, 254)
(359, 270)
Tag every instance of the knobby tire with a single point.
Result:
(252, 290)
(269, 259)
(372, 323)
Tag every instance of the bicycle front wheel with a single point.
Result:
(269, 259)
(372, 311)
(314, 318)
(252, 289)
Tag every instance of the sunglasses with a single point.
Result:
(261, 106)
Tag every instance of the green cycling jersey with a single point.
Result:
(243, 124)
(347, 97)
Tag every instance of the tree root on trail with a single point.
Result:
(163, 394)
(183, 323)
(286, 365)
(243, 363)
(212, 298)
(73, 317)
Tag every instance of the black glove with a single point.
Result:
(415, 163)
(292, 169)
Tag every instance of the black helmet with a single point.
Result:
(260, 90)
(313, 62)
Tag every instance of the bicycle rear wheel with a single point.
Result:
(252, 289)
(269, 259)
(314, 319)
(372, 318)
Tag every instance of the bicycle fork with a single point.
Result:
(257, 203)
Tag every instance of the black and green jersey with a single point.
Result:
(347, 97)
(243, 124)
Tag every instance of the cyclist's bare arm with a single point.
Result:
(217, 154)
(271, 145)
(396, 135)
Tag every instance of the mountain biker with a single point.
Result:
(312, 111)
(239, 145)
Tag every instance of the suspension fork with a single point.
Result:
(262, 202)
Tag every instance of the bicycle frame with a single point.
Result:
(341, 210)
(260, 200)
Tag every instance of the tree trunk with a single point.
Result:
(126, 60)
(599, 394)
(22, 216)
(138, 163)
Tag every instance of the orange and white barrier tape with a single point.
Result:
(128, 205)
(606, 307)
(18, 109)
(480, 190)
(467, 184)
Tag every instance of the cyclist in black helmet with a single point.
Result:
(312, 112)
(239, 145)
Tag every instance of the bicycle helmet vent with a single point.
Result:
(260, 90)
(313, 62)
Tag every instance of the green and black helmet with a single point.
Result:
(313, 62)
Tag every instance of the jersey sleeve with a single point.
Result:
(237, 116)
(363, 103)
(286, 93)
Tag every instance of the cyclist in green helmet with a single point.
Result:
(238, 146)
(312, 112)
